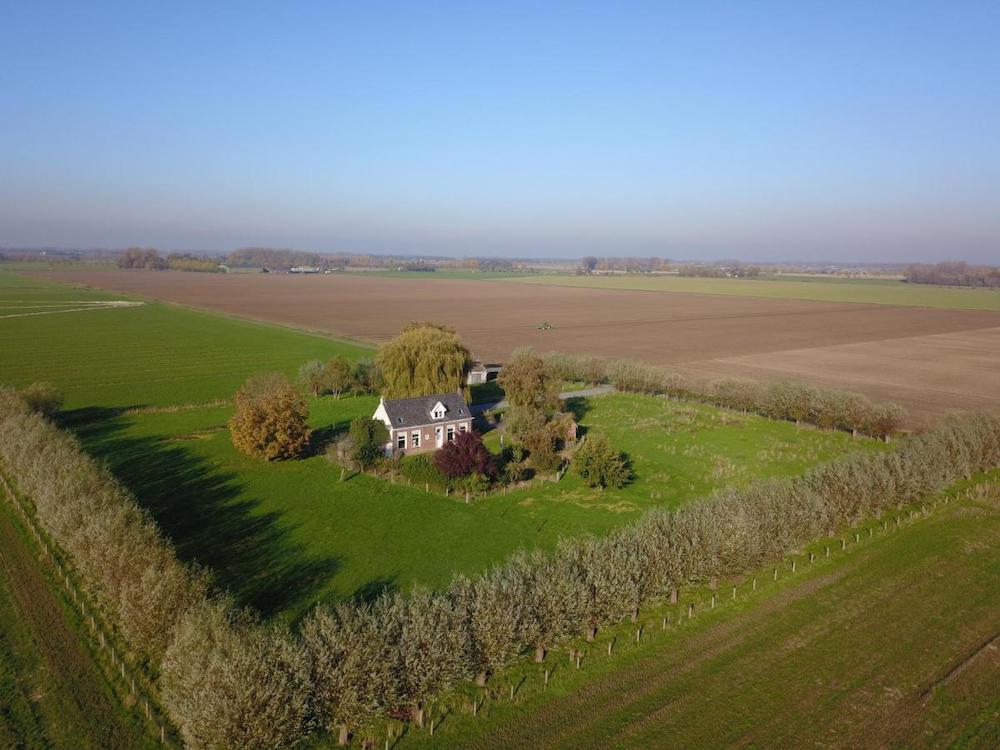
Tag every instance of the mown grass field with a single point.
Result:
(892, 642)
(151, 355)
(52, 694)
(841, 290)
(285, 534)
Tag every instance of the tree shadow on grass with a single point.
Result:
(578, 406)
(200, 508)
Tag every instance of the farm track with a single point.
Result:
(930, 360)
(72, 702)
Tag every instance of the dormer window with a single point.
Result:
(438, 411)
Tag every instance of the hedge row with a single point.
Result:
(388, 657)
(230, 680)
(125, 562)
(831, 409)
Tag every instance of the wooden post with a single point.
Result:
(690, 611)
(857, 537)
(793, 566)
(611, 645)
(828, 550)
(512, 691)
(713, 601)
(812, 557)
(546, 678)
(754, 583)
(843, 543)
(578, 659)
(734, 593)
(776, 574)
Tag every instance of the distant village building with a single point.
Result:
(304, 269)
(425, 423)
(482, 372)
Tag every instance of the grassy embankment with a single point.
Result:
(867, 291)
(283, 535)
(893, 642)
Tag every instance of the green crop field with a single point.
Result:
(149, 355)
(890, 643)
(52, 693)
(822, 290)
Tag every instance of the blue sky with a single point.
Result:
(813, 131)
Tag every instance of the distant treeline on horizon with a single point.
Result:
(956, 273)
(947, 273)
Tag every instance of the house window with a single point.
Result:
(461, 428)
(415, 440)
(438, 414)
(401, 440)
(451, 433)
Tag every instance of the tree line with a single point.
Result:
(955, 273)
(151, 260)
(230, 680)
(353, 663)
(826, 408)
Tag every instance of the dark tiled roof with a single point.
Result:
(412, 412)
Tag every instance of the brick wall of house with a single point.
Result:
(428, 439)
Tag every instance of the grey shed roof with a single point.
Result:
(413, 412)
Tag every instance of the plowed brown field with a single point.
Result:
(931, 360)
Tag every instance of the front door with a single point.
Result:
(438, 437)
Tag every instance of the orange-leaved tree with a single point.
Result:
(271, 418)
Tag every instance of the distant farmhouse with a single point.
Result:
(425, 423)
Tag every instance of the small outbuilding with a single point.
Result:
(483, 372)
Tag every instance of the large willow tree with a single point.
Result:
(424, 358)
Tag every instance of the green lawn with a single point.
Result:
(840, 290)
(884, 644)
(283, 535)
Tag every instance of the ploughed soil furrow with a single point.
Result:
(931, 359)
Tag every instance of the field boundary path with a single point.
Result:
(33, 308)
